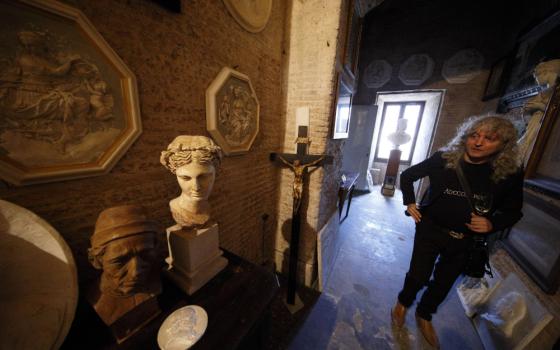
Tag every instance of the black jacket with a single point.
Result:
(508, 193)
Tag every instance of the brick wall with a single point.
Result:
(175, 57)
(312, 46)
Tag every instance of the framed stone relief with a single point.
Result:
(416, 70)
(68, 104)
(232, 111)
(377, 74)
(463, 66)
(252, 15)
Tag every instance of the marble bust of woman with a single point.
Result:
(194, 160)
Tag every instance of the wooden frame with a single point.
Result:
(542, 167)
(532, 236)
(346, 76)
(342, 107)
(537, 44)
(352, 40)
(68, 104)
(232, 111)
(408, 161)
(495, 84)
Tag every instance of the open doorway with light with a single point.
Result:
(419, 109)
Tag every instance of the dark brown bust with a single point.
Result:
(125, 246)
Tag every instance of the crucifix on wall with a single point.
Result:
(299, 164)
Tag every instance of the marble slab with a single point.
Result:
(39, 281)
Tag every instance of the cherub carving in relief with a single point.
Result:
(48, 93)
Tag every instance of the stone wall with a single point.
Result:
(175, 57)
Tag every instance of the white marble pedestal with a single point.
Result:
(194, 257)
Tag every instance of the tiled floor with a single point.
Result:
(353, 311)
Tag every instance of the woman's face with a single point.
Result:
(196, 180)
(481, 145)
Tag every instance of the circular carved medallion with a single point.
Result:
(252, 15)
(416, 70)
(463, 66)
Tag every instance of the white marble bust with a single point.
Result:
(194, 160)
(508, 311)
(400, 137)
(546, 74)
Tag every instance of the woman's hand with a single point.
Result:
(479, 224)
(412, 209)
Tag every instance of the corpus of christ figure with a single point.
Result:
(299, 171)
(299, 163)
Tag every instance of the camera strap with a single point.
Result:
(481, 239)
(464, 184)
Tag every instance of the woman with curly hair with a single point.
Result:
(485, 149)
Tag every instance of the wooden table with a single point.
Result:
(346, 190)
(237, 301)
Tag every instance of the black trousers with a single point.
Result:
(431, 242)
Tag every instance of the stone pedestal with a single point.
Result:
(194, 256)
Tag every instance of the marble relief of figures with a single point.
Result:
(52, 96)
(232, 111)
(237, 114)
(69, 105)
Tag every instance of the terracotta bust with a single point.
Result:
(194, 160)
(125, 246)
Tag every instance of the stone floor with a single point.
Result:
(353, 312)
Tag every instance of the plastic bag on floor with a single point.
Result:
(473, 292)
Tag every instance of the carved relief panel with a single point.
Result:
(68, 104)
(232, 111)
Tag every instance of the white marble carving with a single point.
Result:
(194, 253)
(377, 74)
(507, 312)
(68, 104)
(232, 111)
(463, 66)
(38, 279)
(511, 316)
(183, 328)
(546, 74)
(193, 160)
(252, 15)
(400, 137)
(416, 70)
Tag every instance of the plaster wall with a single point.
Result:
(175, 57)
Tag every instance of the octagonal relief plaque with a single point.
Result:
(68, 104)
(232, 111)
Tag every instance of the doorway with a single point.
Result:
(421, 109)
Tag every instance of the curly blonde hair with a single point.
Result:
(505, 162)
(186, 149)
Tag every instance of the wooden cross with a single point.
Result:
(299, 163)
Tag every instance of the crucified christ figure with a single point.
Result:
(299, 171)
